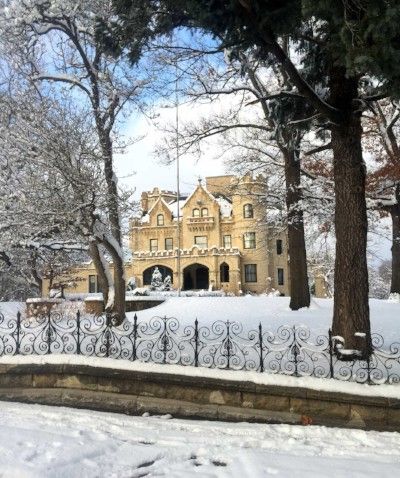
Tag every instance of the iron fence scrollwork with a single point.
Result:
(224, 344)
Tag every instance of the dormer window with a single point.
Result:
(196, 212)
(204, 212)
(160, 219)
(248, 211)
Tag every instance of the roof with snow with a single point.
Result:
(224, 203)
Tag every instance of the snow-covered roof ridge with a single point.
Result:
(146, 217)
(172, 207)
(225, 205)
(199, 186)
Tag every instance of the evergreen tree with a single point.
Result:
(339, 44)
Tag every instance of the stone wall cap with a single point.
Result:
(240, 380)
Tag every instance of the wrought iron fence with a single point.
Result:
(291, 350)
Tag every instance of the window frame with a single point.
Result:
(224, 242)
(162, 222)
(250, 276)
(197, 214)
(172, 243)
(249, 240)
(198, 245)
(152, 249)
(202, 211)
(94, 283)
(279, 247)
(280, 272)
(248, 211)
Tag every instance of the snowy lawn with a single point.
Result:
(272, 312)
(41, 441)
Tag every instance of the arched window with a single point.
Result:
(204, 212)
(248, 211)
(160, 219)
(224, 272)
(196, 212)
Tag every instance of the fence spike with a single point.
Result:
(78, 332)
(261, 345)
(196, 343)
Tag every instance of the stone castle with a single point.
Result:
(224, 241)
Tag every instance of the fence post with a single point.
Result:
(260, 342)
(18, 330)
(196, 343)
(134, 357)
(370, 351)
(228, 344)
(107, 334)
(49, 333)
(107, 341)
(331, 371)
(295, 352)
(165, 341)
(78, 333)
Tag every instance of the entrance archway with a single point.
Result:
(196, 276)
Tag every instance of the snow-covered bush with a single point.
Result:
(167, 283)
(156, 280)
(131, 284)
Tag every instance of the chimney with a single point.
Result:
(144, 202)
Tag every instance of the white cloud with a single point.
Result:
(139, 168)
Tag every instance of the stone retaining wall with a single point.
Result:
(136, 392)
(95, 306)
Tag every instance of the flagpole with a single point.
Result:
(177, 152)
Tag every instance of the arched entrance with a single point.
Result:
(165, 271)
(195, 276)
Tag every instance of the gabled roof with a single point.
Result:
(225, 205)
(200, 186)
(146, 217)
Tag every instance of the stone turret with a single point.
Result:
(149, 198)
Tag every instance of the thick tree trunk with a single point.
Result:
(119, 305)
(120, 288)
(98, 264)
(395, 215)
(351, 308)
(299, 290)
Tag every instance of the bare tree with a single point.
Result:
(382, 128)
(53, 201)
(56, 43)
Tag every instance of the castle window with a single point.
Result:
(227, 241)
(201, 241)
(204, 212)
(169, 244)
(248, 211)
(279, 246)
(249, 240)
(196, 212)
(94, 285)
(160, 219)
(224, 272)
(250, 273)
(153, 245)
(281, 277)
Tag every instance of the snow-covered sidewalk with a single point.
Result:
(41, 441)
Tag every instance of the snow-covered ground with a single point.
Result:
(272, 312)
(41, 441)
